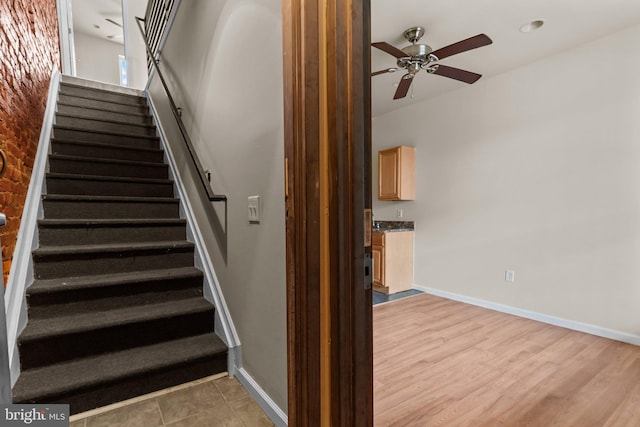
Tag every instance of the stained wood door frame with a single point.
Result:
(326, 45)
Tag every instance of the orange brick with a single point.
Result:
(29, 50)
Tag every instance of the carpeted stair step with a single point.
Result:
(108, 186)
(59, 163)
(69, 109)
(60, 232)
(53, 340)
(134, 286)
(87, 101)
(103, 150)
(52, 262)
(112, 302)
(57, 206)
(105, 125)
(101, 94)
(71, 133)
(100, 380)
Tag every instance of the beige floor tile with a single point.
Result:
(251, 413)
(189, 402)
(79, 423)
(231, 389)
(142, 414)
(223, 416)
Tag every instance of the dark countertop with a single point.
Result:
(383, 226)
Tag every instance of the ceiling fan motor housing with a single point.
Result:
(418, 56)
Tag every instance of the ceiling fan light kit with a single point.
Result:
(416, 57)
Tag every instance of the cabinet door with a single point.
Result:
(388, 185)
(378, 265)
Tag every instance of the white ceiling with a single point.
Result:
(87, 14)
(568, 23)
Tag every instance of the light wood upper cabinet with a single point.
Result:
(397, 173)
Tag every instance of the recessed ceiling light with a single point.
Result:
(532, 26)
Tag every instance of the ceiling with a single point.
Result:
(87, 15)
(567, 23)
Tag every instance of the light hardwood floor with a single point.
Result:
(439, 362)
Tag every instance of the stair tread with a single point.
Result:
(84, 177)
(107, 132)
(106, 145)
(107, 368)
(45, 286)
(44, 251)
(106, 160)
(105, 120)
(68, 104)
(98, 89)
(108, 221)
(91, 321)
(95, 198)
(87, 94)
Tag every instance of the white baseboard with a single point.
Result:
(540, 317)
(273, 411)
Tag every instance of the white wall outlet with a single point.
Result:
(254, 209)
(509, 276)
(398, 213)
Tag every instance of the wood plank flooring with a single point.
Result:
(439, 362)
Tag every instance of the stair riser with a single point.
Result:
(84, 400)
(87, 167)
(103, 115)
(134, 291)
(59, 348)
(103, 105)
(102, 95)
(101, 152)
(107, 188)
(87, 136)
(112, 301)
(58, 209)
(98, 125)
(97, 234)
(62, 265)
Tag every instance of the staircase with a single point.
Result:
(116, 307)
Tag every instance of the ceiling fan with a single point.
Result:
(416, 57)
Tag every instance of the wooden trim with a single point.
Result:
(328, 161)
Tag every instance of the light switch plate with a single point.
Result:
(254, 209)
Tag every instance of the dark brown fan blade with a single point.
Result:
(403, 86)
(457, 73)
(463, 46)
(388, 70)
(391, 50)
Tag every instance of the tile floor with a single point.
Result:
(208, 402)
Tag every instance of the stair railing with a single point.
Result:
(202, 174)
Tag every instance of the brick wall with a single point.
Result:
(29, 49)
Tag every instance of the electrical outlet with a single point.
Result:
(254, 209)
(509, 276)
(398, 213)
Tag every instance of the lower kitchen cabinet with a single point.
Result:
(392, 253)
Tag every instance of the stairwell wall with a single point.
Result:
(228, 81)
(29, 51)
(534, 170)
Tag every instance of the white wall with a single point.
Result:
(97, 59)
(223, 61)
(134, 43)
(535, 170)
